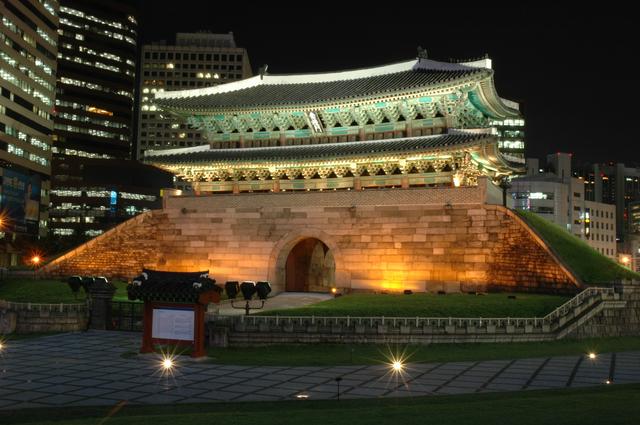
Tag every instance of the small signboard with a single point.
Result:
(173, 323)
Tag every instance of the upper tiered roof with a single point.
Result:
(303, 89)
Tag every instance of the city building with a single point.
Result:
(616, 184)
(418, 123)
(92, 189)
(559, 197)
(511, 138)
(196, 60)
(91, 195)
(96, 78)
(28, 52)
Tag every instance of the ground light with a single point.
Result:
(397, 373)
(167, 365)
(592, 356)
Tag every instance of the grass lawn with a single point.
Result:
(586, 262)
(610, 405)
(370, 354)
(430, 305)
(47, 291)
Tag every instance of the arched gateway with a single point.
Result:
(310, 267)
(307, 260)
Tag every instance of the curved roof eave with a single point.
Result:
(492, 104)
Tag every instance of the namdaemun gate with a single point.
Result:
(376, 179)
(412, 124)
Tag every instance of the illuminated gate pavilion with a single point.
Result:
(374, 179)
(411, 124)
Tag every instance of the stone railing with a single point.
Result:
(36, 317)
(579, 303)
(256, 330)
(58, 307)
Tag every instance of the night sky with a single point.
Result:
(571, 69)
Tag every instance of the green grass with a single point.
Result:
(430, 305)
(586, 262)
(47, 291)
(371, 354)
(612, 405)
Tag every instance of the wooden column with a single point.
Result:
(147, 344)
(356, 183)
(198, 340)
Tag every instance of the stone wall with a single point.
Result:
(617, 320)
(418, 239)
(594, 313)
(23, 318)
(121, 252)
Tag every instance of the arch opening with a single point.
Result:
(310, 267)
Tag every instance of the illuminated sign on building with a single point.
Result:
(20, 200)
(314, 122)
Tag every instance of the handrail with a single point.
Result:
(41, 306)
(577, 300)
(558, 312)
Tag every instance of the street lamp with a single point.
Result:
(248, 289)
(35, 261)
(625, 260)
(504, 185)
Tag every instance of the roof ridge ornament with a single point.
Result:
(422, 53)
(263, 70)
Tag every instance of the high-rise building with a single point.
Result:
(28, 49)
(95, 183)
(559, 197)
(196, 60)
(96, 78)
(616, 184)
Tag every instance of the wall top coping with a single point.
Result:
(471, 195)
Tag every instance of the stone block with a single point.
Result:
(8, 321)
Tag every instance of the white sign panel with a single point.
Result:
(314, 122)
(173, 323)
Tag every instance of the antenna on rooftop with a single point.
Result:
(422, 53)
(263, 70)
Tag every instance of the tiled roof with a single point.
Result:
(320, 151)
(284, 90)
(154, 285)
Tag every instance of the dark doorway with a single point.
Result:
(310, 267)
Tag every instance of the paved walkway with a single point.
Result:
(82, 369)
(277, 302)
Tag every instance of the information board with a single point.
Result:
(173, 323)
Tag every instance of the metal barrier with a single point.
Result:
(127, 315)
(547, 324)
